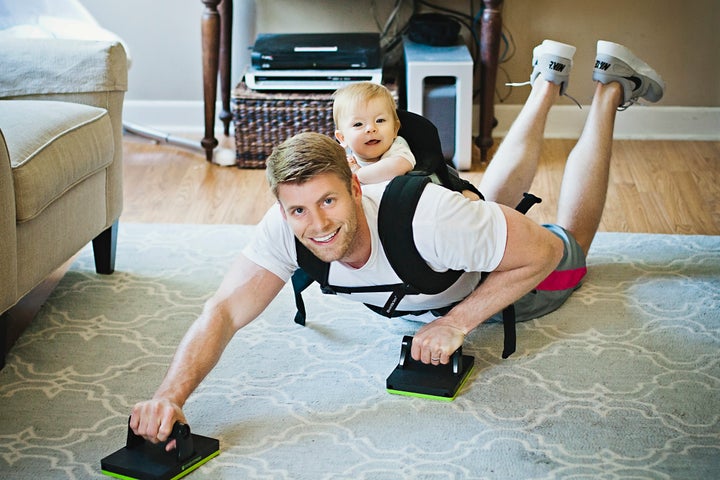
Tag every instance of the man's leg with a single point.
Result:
(585, 181)
(622, 79)
(512, 169)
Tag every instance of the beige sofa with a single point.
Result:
(60, 159)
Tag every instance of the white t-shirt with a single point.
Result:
(399, 147)
(450, 232)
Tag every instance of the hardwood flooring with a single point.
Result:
(655, 186)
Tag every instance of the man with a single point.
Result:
(322, 204)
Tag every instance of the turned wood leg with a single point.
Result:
(104, 247)
(490, 31)
(210, 31)
(226, 21)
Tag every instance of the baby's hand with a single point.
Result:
(354, 167)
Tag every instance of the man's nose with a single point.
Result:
(320, 221)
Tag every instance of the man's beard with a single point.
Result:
(344, 243)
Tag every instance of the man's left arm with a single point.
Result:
(531, 254)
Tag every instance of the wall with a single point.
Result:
(680, 39)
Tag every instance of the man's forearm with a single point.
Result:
(197, 354)
(499, 290)
(531, 255)
(245, 292)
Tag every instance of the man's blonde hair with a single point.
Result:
(347, 98)
(304, 156)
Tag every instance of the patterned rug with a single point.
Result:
(622, 382)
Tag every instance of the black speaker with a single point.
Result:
(433, 29)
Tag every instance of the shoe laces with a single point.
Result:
(627, 105)
(565, 94)
(631, 102)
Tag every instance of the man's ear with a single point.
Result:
(356, 187)
(340, 137)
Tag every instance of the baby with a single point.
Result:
(367, 124)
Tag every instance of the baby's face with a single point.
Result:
(368, 130)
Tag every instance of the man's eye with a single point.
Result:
(298, 211)
(329, 201)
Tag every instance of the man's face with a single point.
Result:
(369, 131)
(323, 215)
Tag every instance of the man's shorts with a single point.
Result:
(557, 287)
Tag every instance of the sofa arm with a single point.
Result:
(91, 72)
(42, 66)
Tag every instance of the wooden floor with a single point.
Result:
(655, 186)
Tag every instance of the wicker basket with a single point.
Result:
(265, 119)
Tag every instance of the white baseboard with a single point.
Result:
(565, 121)
(169, 115)
(636, 123)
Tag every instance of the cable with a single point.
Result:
(397, 23)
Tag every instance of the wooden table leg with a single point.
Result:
(226, 22)
(490, 31)
(210, 31)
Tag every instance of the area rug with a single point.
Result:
(623, 382)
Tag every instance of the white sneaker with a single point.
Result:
(553, 60)
(615, 63)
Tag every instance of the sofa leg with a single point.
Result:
(104, 246)
(4, 341)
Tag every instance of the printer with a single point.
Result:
(313, 61)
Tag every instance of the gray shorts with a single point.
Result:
(557, 287)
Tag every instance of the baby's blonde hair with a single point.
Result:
(349, 96)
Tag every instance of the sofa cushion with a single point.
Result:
(53, 146)
(32, 66)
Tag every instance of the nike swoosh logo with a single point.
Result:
(637, 81)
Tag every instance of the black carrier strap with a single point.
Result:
(397, 210)
(424, 140)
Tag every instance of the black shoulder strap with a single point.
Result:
(395, 216)
(311, 269)
(424, 140)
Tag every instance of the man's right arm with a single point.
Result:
(244, 293)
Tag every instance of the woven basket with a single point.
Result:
(263, 120)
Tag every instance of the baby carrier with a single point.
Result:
(395, 215)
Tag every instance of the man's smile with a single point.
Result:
(326, 238)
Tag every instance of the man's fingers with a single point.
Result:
(154, 420)
(426, 350)
(434, 344)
